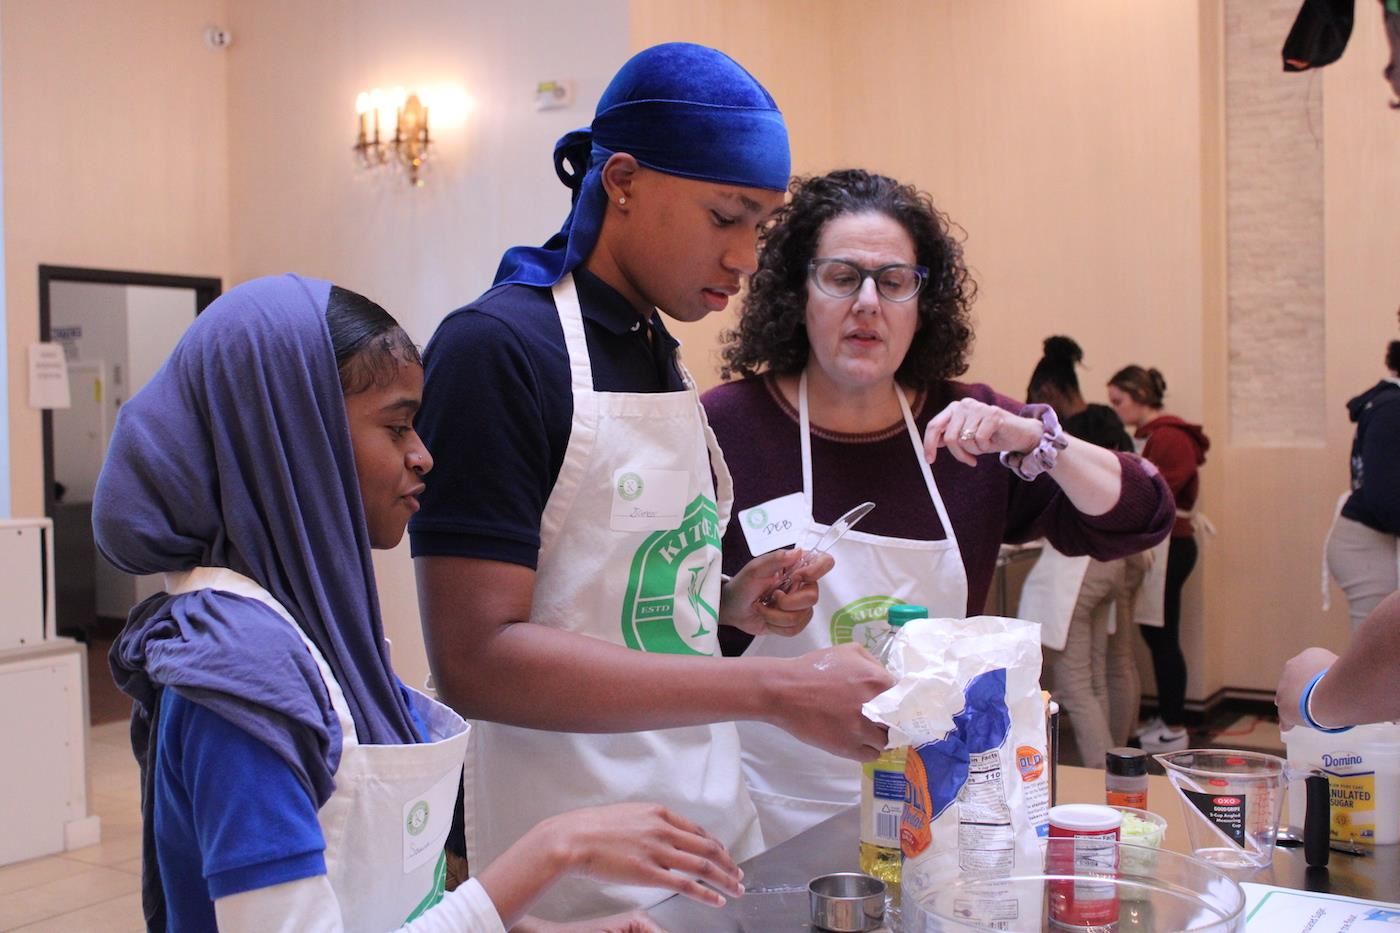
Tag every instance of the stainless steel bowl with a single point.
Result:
(847, 902)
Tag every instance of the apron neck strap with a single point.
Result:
(571, 319)
(231, 581)
(581, 380)
(805, 431)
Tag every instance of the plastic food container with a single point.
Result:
(847, 902)
(1142, 827)
(1153, 889)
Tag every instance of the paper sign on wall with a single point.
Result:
(48, 376)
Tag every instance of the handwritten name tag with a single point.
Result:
(648, 500)
(780, 522)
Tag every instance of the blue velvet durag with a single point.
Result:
(677, 108)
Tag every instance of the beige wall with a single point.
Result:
(115, 157)
(1081, 147)
(1078, 144)
(298, 202)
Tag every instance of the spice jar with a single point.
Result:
(1125, 778)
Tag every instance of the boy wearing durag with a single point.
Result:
(567, 551)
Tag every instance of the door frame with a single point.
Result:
(205, 289)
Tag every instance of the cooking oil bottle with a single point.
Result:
(882, 780)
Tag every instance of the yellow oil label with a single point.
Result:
(1353, 807)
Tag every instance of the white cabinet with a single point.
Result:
(43, 785)
(26, 582)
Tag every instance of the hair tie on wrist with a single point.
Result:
(1305, 706)
(1041, 458)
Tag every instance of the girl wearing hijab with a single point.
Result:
(568, 549)
(289, 780)
(1178, 448)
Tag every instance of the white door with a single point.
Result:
(80, 432)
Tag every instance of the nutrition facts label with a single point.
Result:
(985, 839)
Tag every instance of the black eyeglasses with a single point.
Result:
(840, 278)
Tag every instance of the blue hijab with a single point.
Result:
(677, 108)
(237, 454)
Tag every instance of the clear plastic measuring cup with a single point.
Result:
(1231, 801)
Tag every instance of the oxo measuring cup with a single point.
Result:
(1231, 801)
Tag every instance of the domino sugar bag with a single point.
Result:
(968, 705)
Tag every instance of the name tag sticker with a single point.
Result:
(426, 821)
(777, 523)
(648, 500)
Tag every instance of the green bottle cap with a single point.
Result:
(904, 613)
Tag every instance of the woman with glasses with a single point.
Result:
(853, 330)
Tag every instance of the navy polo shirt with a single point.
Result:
(498, 409)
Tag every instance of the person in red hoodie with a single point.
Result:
(1177, 448)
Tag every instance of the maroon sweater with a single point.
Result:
(987, 504)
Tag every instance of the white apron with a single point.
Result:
(606, 572)
(387, 820)
(794, 785)
(1149, 605)
(1050, 593)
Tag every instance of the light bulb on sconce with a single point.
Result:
(403, 142)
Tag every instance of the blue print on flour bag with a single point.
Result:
(969, 706)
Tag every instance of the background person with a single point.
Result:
(279, 753)
(1178, 448)
(1094, 674)
(567, 553)
(1363, 547)
(852, 333)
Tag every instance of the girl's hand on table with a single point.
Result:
(647, 844)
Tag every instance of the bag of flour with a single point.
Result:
(968, 705)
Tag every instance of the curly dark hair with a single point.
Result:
(772, 332)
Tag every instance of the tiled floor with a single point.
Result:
(92, 889)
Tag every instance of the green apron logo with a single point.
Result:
(862, 621)
(629, 486)
(418, 818)
(436, 891)
(665, 610)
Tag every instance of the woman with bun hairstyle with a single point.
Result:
(852, 337)
(1177, 448)
(1092, 672)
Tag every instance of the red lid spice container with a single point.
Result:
(1083, 850)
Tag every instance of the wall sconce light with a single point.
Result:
(393, 132)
